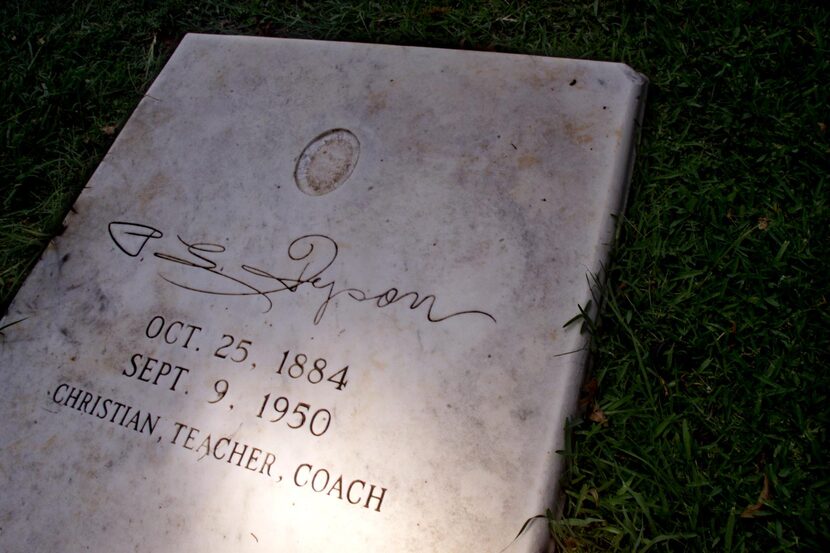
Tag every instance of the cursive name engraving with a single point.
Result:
(314, 254)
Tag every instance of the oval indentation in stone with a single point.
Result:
(327, 162)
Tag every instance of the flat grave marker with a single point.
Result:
(313, 300)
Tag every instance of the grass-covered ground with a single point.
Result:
(706, 425)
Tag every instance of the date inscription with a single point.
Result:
(274, 407)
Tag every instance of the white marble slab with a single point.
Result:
(427, 218)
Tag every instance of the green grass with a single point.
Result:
(712, 355)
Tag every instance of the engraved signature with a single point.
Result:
(314, 252)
